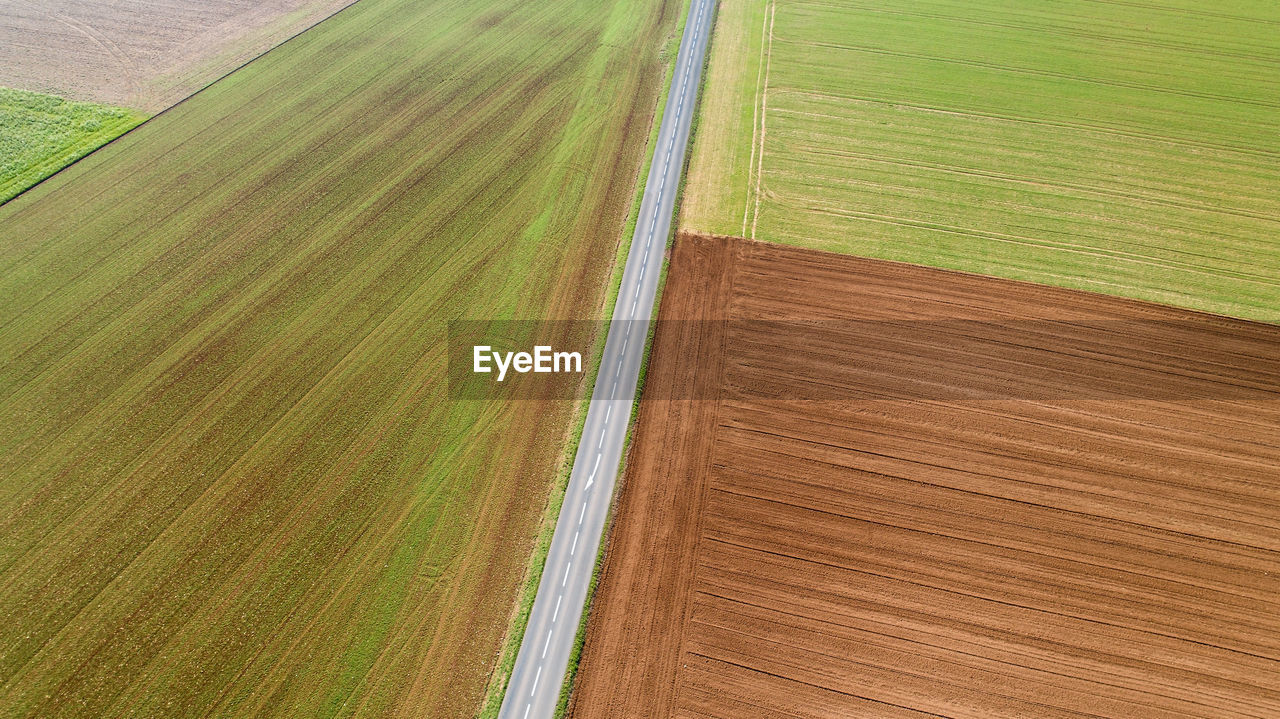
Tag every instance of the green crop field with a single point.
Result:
(232, 482)
(41, 134)
(1131, 148)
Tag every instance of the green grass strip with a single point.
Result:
(41, 134)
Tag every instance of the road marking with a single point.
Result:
(527, 707)
(547, 644)
(574, 548)
(607, 410)
(583, 513)
(536, 677)
(567, 567)
(556, 613)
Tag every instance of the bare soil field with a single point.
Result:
(143, 54)
(923, 541)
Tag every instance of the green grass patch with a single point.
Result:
(1121, 148)
(41, 134)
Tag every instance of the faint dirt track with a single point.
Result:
(144, 54)
(935, 557)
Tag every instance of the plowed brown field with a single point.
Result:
(1051, 553)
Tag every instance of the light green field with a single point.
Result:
(41, 134)
(232, 482)
(1131, 148)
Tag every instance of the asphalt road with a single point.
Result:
(544, 655)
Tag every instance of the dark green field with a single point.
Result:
(231, 479)
(1131, 148)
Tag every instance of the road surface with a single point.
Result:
(544, 655)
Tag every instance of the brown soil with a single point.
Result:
(1053, 556)
(144, 54)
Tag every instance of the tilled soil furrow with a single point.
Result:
(932, 560)
(1123, 496)
(844, 596)
(1038, 534)
(717, 617)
